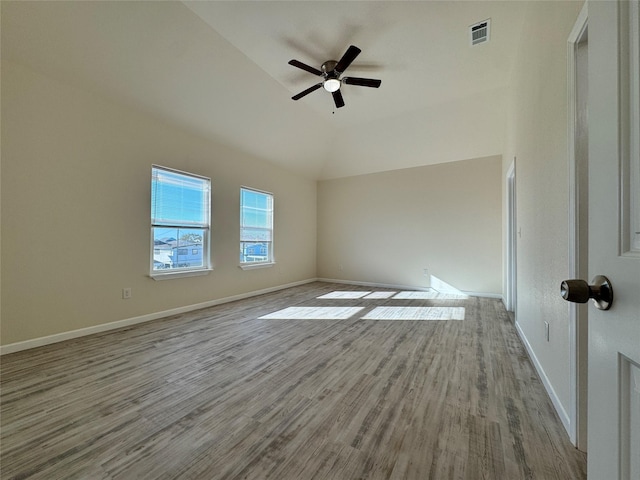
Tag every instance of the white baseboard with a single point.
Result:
(404, 287)
(81, 332)
(562, 413)
(483, 294)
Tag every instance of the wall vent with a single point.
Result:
(479, 32)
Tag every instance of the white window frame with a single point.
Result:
(270, 261)
(205, 227)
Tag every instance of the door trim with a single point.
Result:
(511, 243)
(629, 101)
(578, 322)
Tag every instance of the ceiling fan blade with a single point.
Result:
(348, 57)
(337, 98)
(305, 67)
(307, 91)
(363, 82)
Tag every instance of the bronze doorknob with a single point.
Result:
(579, 291)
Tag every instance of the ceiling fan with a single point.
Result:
(331, 72)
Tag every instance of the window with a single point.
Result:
(180, 214)
(256, 227)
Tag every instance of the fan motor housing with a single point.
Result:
(328, 67)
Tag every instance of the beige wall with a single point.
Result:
(388, 227)
(367, 147)
(537, 136)
(75, 211)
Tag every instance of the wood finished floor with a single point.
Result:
(221, 394)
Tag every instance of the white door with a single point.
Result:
(614, 240)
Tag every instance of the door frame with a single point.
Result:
(578, 253)
(511, 246)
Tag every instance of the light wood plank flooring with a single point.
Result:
(221, 394)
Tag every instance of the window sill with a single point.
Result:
(172, 275)
(254, 266)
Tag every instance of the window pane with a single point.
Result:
(180, 213)
(178, 199)
(254, 252)
(256, 226)
(255, 234)
(178, 248)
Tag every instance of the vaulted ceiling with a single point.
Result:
(219, 69)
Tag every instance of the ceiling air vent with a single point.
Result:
(479, 33)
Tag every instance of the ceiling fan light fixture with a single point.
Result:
(331, 84)
(331, 72)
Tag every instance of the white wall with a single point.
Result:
(388, 227)
(76, 173)
(537, 136)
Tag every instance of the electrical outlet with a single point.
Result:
(126, 293)
(546, 331)
(425, 272)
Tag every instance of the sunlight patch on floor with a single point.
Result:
(313, 313)
(430, 295)
(380, 295)
(416, 313)
(344, 294)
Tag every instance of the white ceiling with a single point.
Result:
(220, 69)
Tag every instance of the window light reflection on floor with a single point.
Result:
(344, 294)
(432, 294)
(429, 295)
(378, 313)
(313, 313)
(381, 295)
(416, 313)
